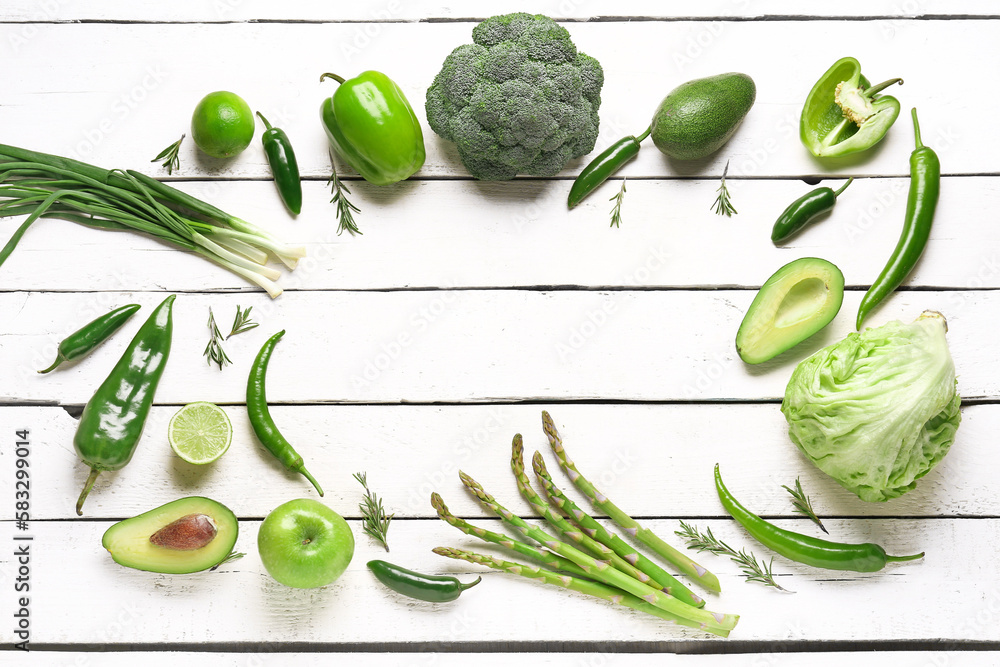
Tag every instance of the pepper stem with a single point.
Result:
(94, 472)
(643, 136)
(466, 587)
(267, 126)
(895, 559)
(916, 128)
(335, 77)
(312, 479)
(881, 86)
(836, 193)
(59, 360)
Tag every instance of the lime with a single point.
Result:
(200, 432)
(222, 124)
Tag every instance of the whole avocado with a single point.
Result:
(696, 118)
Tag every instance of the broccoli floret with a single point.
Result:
(519, 100)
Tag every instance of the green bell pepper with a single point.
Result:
(372, 127)
(843, 114)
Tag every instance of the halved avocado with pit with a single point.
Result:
(801, 298)
(187, 535)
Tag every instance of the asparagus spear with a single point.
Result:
(547, 558)
(601, 570)
(596, 589)
(610, 539)
(568, 530)
(628, 524)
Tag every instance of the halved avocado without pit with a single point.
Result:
(800, 298)
(187, 535)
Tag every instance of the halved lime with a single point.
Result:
(200, 432)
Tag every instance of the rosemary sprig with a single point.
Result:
(233, 556)
(722, 204)
(753, 569)
(616, 212)
(374, 520)
(242, 323)
(169, 156)
(213, 351)
(345, 209)
(803, 505)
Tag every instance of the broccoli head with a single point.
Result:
(519, 100)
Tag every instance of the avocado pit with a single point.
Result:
(190, 532)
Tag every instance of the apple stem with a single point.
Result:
(312, 479)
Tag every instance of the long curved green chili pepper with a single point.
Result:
(112, 421)
(804, 210)
(866, 557)
(426, 587)
(260, 416)
(90, 335)
(284, 166)
(925, 185)
(603, 166)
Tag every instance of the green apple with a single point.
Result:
(305, 544)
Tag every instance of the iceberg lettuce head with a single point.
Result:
(879, 409)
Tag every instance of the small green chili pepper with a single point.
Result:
(284, 166)
(804, 210)
(866, 557)
(430, 588)
(604, 166)
(925, 185)
(260, 416)
(90, 335)
(843, 114)
(112, 421)
(372, 127)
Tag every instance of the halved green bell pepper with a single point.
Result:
(843, 114)
(372, 127)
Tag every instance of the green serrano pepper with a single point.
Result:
(603, 166)
(800, 548)
(112, 421)
(90, 335)
(925, 185)
(429, 588)
(260, 416)
(804, 210)
(284, 166)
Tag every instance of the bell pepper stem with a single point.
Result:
(329, 75)
(312, 479)
(916, 128)
(896, 559)
(836, 193)
(871, 90)
(267, 126)
(94, 472)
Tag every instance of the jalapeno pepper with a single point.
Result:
(804, 210)
(925, 184)
(843, 114)
(430, 588)
(90, 335)
(866, 557)
(603, 166)
(372, 127)
(284, 166)
(260, 416)
(112, 421)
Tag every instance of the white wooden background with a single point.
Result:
(466, 308)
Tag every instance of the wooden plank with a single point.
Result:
(314, 10)
(449, 235)
(111, 605)
(832, 659)
(462, 346)
(119, 110)
(653, 460)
